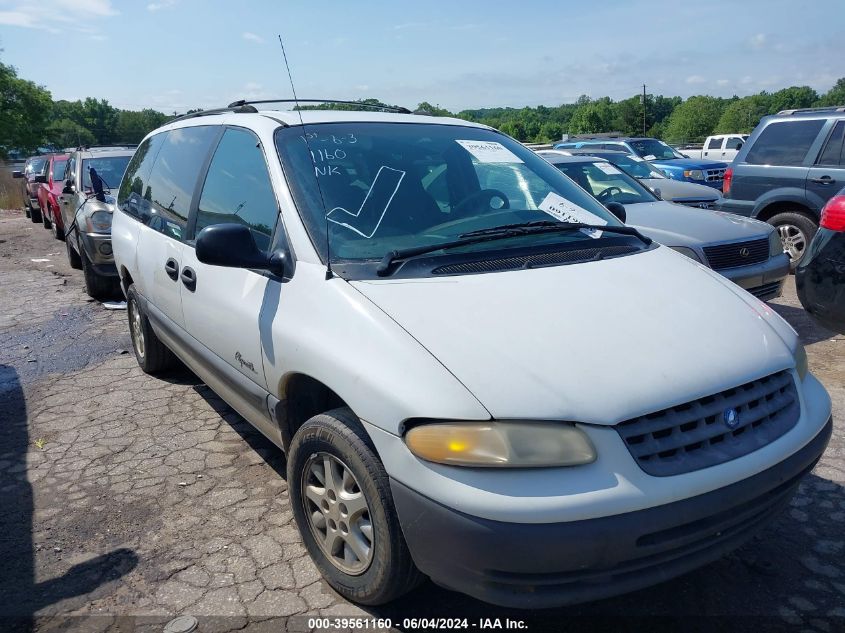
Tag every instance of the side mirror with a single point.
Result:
(40, 178)
(738, 146)
(232, 245)
(618, 210)
(17, 174)
(68, 188)
(657, 193)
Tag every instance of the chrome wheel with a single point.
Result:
(793, 239)
(338, 513)
(136, 328)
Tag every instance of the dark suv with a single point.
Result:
(786, 172)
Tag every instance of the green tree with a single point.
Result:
(592, 117)
(24, 112)
(744, 114)
(66, 133)
(434, 110)
(836, 95)
(694, 119)
(793, 97)
(133, 126)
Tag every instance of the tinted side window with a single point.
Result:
(832, 152)
(733, 143)
(784, 143)
(715, 143)
(170, 186)
(237, 188)
(131, 198)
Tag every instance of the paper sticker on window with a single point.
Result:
(607, 168)
(489, 152)
(636, 159)
(649, 157)
(566, 211)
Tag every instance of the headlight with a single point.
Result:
(99, 222)
(800, 355)
(683, 250)
(775, 244)
(694, 174)
(501, 444)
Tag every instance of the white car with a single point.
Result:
(718, 147)
(477, 372)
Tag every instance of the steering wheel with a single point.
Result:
(608, 193)
(483, 194)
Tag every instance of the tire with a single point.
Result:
(97, 286)
(72, 256)
(45, 220)
(34, 214)
(152, 355)
(337, 438)
(796, 231)
(26, 210)
(58, 233)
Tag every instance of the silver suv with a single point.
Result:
(87, 214)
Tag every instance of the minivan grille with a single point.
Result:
(535, 260)
(737, 254)
(714, 175)
(700, 434)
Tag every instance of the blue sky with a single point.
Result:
(177, 54)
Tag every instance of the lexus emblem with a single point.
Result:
(744, 252)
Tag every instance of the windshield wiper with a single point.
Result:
(503, 232)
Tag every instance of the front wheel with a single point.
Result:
(796, 231)
(342, 504)
(72, 256)
(45, 220)
(34, 214)
(97, 286)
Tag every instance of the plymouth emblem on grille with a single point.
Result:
(731, 418)
(744, 252)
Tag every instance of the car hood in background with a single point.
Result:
(678, 225)
(597, 342)
(689, 163)
(671, 189)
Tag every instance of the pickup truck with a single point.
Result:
(668, 159)
(717, 147)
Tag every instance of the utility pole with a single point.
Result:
(643, 109)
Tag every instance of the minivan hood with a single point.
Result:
(679, 225)
(598, 342)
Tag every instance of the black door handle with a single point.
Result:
(171, 267)
(189, 278)
(824, 180)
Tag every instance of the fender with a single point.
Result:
(785, 194)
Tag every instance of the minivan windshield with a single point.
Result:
(652, 149)
(606, 182)
(394, 186)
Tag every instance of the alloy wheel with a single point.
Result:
(793, 239)
(338, 513)
(137, 329)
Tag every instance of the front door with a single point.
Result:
(827, 176)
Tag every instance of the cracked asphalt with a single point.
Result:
(126, 500)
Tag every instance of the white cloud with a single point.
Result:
(757, 41)
(409, 25)
(55, 15)
(163, 4)
(252, 37)
(723, 82)
(695, 79)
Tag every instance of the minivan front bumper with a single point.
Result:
(552, 564)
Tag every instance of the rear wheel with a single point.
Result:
(26, 210)
(796, 231)
(152, 355)
(72, 256)
(341, 500)
(58, 233)
(34, 214)
(45, 219)
(97, 286)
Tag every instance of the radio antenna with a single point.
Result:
(329, 273)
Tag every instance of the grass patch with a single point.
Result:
(11, 194)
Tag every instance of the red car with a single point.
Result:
(49, 192)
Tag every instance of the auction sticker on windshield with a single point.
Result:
(559, 207)
(489, 151)
(607, 168)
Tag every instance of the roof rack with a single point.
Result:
(821, 109)
(375, 106)
(89, 148)
(235, 107)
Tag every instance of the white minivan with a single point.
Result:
(479, 374)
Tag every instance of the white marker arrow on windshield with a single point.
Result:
(368, 218)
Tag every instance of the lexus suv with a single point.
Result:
(87, 214)
(517, 396)
(786, 172)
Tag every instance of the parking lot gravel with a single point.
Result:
(128, 500)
